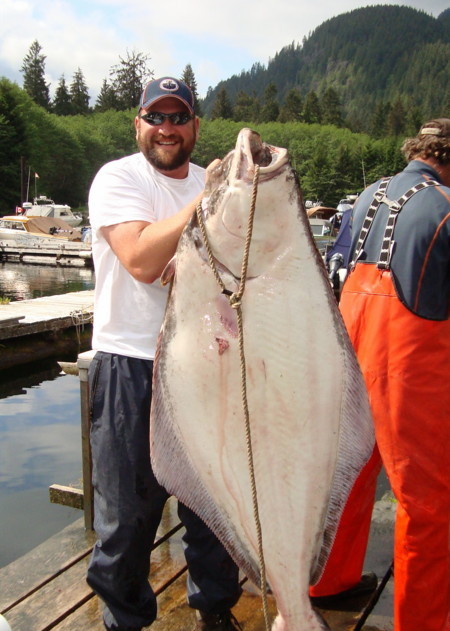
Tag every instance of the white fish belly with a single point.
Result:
(305, 401)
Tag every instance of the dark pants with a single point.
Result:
(128, 505)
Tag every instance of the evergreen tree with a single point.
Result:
(107, 98)
(62, 103)
(312, 112)
(331, 108)
(292, 109)
(33, 68)
(14, 147)
(79, 94)
(246, 108)
(414, 120)
(270, 110)
(222, 107)
(378, 127)
(396, 120)
(189, 79)
(128, 79)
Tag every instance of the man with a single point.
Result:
(395, 303)
(138, 207)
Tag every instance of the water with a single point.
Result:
(40, 425)
(40, 444)
(19, 281)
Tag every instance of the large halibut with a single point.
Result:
(310, 423)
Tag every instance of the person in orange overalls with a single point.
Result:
(395, 303)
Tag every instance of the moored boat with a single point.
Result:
(43, 206)
(22, 229)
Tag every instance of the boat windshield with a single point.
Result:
(14, 225)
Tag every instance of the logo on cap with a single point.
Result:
(169, 85)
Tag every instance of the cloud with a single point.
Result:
(217, 38)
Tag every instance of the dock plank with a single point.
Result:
(52, 602)
(47, 590)
(173, 612)
(47, 313)
(40, 565)
(57, 601)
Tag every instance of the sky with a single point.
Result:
(218, 38)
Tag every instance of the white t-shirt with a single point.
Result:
(128, 313)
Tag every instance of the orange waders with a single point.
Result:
(345, 563)
(405, 361)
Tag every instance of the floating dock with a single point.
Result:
(36, 329)
(46, 589)
(67, 253)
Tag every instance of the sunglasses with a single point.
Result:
(158, 118)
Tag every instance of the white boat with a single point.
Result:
(24, 230)
(322, 226)
(43, 206)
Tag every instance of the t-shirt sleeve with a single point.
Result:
(117, 195)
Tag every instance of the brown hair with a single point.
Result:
(432, 141)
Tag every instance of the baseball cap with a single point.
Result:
(437, 127)
(166, 87)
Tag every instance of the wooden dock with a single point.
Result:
(36, 329)
(66, 253)
(46, 588)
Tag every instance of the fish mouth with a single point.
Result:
(251, 151)
(228, 200)
(239, 165)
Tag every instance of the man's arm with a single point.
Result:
(144, 249)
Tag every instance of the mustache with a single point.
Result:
(172, 137)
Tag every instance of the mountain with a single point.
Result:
(369, 56)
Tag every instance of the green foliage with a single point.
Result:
(128, 79)
(33, 69)
(67, 151)
(246, 108)
(13, 144)
(189, 79)
(312, 112)
(79, 94)
(62, 103)
(216, 139)
(292, 110)
(331, 109)
(270, 110)
(222, 107)
(107, 98)
(330, 162)
(369, 57)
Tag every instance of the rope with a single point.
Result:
(235, 299)
(80, 317)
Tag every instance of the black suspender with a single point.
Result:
(395, 207)
(367, 223)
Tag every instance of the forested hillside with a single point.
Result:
(342, 102)
(67, 151)
(374, 58)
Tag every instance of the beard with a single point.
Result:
(163, 160)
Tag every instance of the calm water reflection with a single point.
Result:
(40, 444)
(19, 281)
(40, 435)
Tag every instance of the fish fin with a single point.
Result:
(168, 273)
(166, 448)
(356, 445)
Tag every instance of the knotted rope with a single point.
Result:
(235, 299)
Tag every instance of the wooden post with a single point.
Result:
(84, 360)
